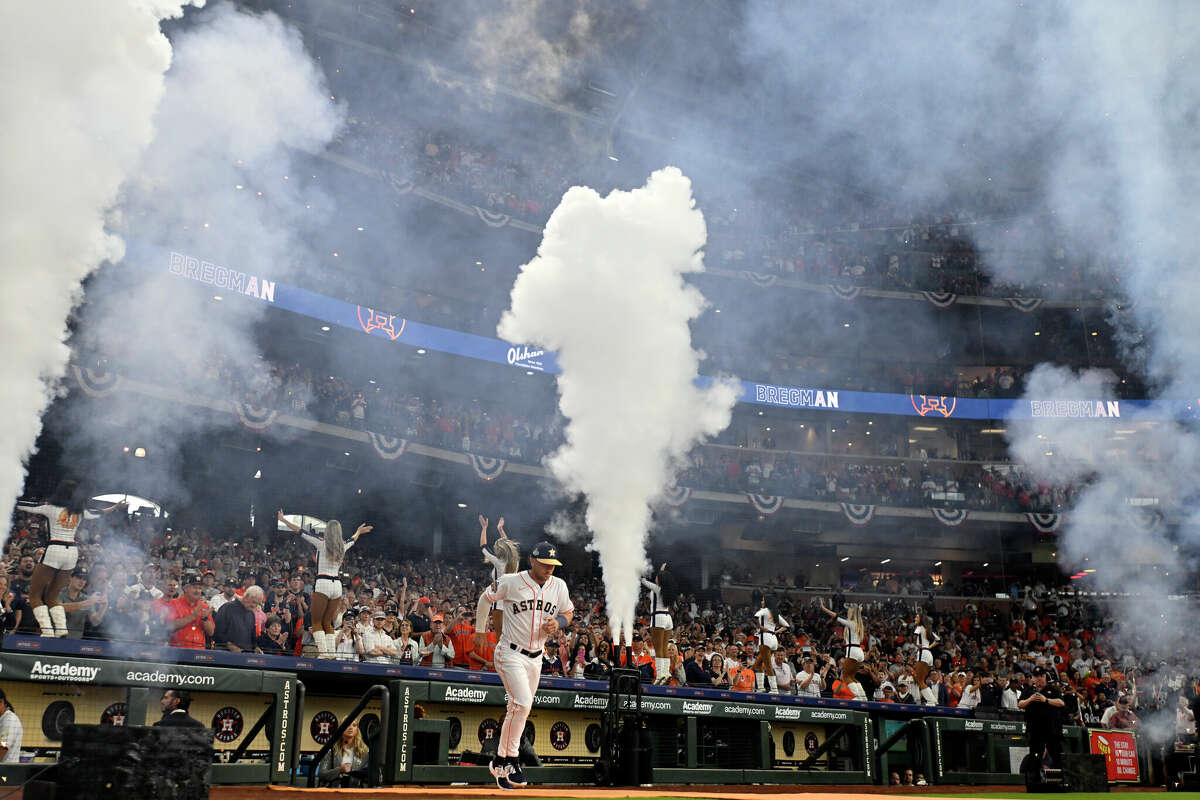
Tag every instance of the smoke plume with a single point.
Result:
(606, 293)
(222, 182)
(85, 80)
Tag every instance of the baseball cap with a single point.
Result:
(437, 618)
(547, 553)
(191, 578)
(231, 582)
(425, 601)
(379, 615)
(79, 572)
(1038, 671)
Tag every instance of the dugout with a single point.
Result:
(985, 751)
(252, 712)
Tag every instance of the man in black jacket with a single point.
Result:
(175, 705)
(1043, 704)
(695, 674)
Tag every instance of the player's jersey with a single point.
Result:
(325, 564)
(63, 524)
(497, 563)
(770, 622)
(527, 605)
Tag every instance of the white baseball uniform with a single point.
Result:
(526, 605)
(329, 577)
(769, 626)
(660, 615)
(923, 642)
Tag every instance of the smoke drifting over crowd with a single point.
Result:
(606, 293)
(79, 108)
(242, 98)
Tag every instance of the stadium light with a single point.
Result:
(885, 561)
(845, 559)
(139, 452)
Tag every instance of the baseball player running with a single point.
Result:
(536, 605)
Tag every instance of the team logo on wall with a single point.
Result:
(810, 742)
(591, 738)
(374, 320)
(925, 404)
(789, 743)
(489, 729)
(323, 724)
(115, 715)
(227, 724)
(560, 735)
(455, 731)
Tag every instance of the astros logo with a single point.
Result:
(384, 323)
(936, 403)
(227, 724)
(560, 735)
(322, 726)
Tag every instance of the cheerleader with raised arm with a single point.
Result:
(925, 637)
(506, 559)
(662, 594)
(65, 511)
(768, 642)
(331, 552)
(854, 634)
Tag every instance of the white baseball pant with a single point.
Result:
(520, 675)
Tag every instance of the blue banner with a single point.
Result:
(385, 324)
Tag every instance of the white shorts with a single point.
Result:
(855, 652)
(926, 656)
(329, 587)
(60, 556)
(662, 619)
(770, 640)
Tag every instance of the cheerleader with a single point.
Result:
(64, 511)
(662, 593)
(925, 638)
(768, 642)
(854, 633)
(505, 560)
(331, 551)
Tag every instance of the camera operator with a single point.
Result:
(1043, 706)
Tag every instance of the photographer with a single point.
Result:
(1043, 706)
(347, 643)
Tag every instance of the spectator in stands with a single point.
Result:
(408, 649)
(420, 614)
(482, 655)
(1121, 716)
(11, 732)
(717, 674)
(274, 640)
(552, 665)
(600, 666)
(347, 643)
(175, 705)
(345, 765)
(235, 626)
(228, 592)
(436, 649)
(460, 634)
(189, 618)
(810, 681)
(784, 676)
(11, 609)
(377, 645)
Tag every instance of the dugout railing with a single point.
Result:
(431, 724)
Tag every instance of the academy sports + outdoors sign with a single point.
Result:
(38, 668)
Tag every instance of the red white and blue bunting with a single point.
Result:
(858, 513)
(759, 279)
(389, 448)
(950, 517)
(940, 299)
(1026, 304)
(765, 504)
(676, 495)
(256, 418)
(487, 469)
(490, 219)
(1045, 523)
(1147, 521)
(845, 292)
(96, 382)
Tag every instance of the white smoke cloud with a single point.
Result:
(606, 292)
(243, 101)
(84, 82)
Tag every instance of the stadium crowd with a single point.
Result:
(138, 581)
(841, 240)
